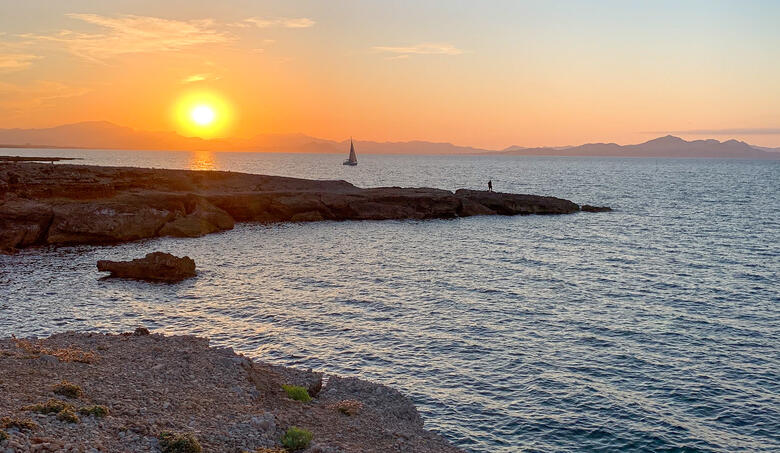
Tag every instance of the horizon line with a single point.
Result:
(661, 134)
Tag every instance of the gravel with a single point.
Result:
(153, 383)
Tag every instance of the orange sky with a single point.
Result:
(491, 75)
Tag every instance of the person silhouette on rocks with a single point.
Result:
(490, 186)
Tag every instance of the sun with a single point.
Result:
(203, 115)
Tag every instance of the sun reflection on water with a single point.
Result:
(203, 160)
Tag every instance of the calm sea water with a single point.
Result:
(652, 328)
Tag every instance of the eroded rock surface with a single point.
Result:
(79, 204)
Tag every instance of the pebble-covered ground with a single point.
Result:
(85, 392)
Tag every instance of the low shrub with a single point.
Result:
(53, 406)
(3, 435)
(68, 416)
(24, 424)
(95, 410)
(68, 390)
(297, 393)
(296, 438)
(179, 443)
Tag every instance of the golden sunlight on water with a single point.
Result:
(202, 160)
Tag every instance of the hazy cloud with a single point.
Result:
(23, 97)
(420, 49)
(134, 34)
(732, 131)
(284, 22)
(199, 78)
(15, 61)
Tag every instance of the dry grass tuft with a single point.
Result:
(24, 424)
(68, 416)
(68, 390)
(96, 410)
(53, 406)
(349, 407)
(179, 443)
(36, 348)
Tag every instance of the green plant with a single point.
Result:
(53, 406)
(68, 390)
(19, 423)
(95, 410)
(179, 443)
(3, 435)
(297, 393)
(296, 438)
(68, 415)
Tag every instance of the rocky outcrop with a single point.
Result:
(149, 384)
(157, 266)
(79, 204)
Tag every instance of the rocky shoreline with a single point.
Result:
(79, 204)
(142, 392)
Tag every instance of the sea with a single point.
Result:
(655, 327)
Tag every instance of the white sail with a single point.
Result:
(352, 156)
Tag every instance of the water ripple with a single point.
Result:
(652, 328)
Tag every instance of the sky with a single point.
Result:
(489, 74)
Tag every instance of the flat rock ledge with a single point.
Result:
(147, 384)
(156, 266)
(79, 204)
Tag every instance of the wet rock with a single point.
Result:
(308, 216)
(589, 208)
(516, 204)
(157, 266)
(141, 331)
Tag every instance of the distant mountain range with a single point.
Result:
(105, 135)
(668, 146)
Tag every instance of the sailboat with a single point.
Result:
(352, 161)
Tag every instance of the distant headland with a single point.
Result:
(80, 204)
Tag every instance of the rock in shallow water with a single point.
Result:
(589, 208)
(157, 266)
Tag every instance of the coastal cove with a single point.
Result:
(651, 327)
